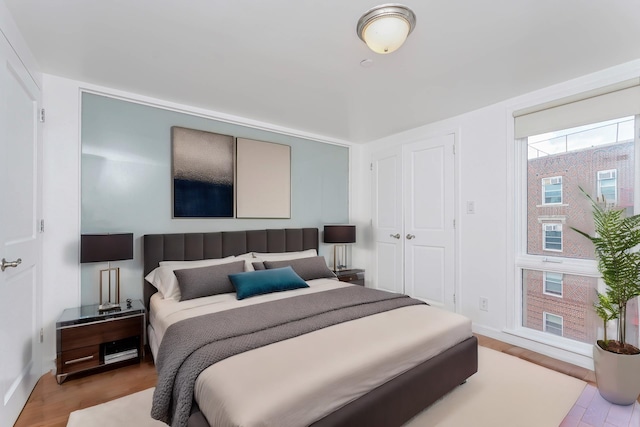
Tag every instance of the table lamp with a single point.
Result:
(341, 235)
(107, 248)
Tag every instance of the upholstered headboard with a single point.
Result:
(195, 246)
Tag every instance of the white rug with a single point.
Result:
(506, 391)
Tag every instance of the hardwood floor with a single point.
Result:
(50, 404)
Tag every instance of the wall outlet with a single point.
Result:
(484, 304)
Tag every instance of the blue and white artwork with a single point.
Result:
(202, 174)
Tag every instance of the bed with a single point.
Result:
(388, 392)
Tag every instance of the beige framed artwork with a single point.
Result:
(263, 179)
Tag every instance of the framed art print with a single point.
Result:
(203, 174)
(263, 179)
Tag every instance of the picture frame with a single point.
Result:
(263, 179)
(202, 174)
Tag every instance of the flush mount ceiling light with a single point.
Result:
(385, 28)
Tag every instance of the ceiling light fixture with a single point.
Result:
(385, 28)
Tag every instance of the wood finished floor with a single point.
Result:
(50, 404)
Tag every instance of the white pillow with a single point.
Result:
(166, 281)
(283, 256)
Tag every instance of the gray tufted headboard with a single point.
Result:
(195, 246)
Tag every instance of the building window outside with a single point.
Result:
(607, 190)
(552, 190)
(553, 324)
(553, 283)
(552, 237)
(599, 158)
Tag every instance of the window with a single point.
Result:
(607, 190)
(552, 190)
(553, 324)
(553, 283)
(552, 237)
(552, 165)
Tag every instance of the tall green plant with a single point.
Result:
(615, 244)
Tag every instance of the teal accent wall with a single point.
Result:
(126, 180)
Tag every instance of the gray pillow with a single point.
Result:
(206, 281)
(307, 268)
(258, 265)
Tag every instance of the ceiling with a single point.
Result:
(296, 63)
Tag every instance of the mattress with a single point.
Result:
(298, 381)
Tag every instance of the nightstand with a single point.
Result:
(355, 276)
(89, 340)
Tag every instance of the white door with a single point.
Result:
(429, 238)
(20, 204)
(387, 220)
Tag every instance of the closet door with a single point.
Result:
(387, 221)
(429, 238)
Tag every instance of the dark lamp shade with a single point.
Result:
(106, 247)
(339, 234)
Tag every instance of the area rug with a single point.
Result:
(506, 391)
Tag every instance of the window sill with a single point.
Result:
(561, 343)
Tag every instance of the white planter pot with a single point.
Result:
(618, 376)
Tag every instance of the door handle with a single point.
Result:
(6, 264)
(395, 236)
(410, 236)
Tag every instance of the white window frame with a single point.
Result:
(545, 318)
(519, 260)
(544, 284)
(550, 181)
(557, 227)
(599, 184)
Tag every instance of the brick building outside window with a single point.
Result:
(553, 302)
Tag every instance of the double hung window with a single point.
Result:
(562, 150)
(608, 187)
(553, 283)
(552, 237)
(553, 324)
(552, 190)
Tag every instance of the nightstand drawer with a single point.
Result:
(95, 333)
(80, 358)
(354, 276)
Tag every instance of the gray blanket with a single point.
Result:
(192, 345)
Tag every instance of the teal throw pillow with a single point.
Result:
(251, 283)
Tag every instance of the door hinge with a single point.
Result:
(454, 223)
(42, 115)
(454, 298)
(370, 166)
(41, 335)
(42, 225)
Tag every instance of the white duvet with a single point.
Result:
(298, 381)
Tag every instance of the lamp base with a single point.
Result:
(108, 306)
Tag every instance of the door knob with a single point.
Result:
(410, 236)
(6, 264)
(395, 236)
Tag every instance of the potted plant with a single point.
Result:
(616, 362)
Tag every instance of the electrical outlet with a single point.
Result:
(484, 304)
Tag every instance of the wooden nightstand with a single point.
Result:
(89, 340)
(355, 276)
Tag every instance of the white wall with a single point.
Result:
(485, 162)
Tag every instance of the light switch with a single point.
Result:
(471, 207)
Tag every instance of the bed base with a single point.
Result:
(397, 401)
